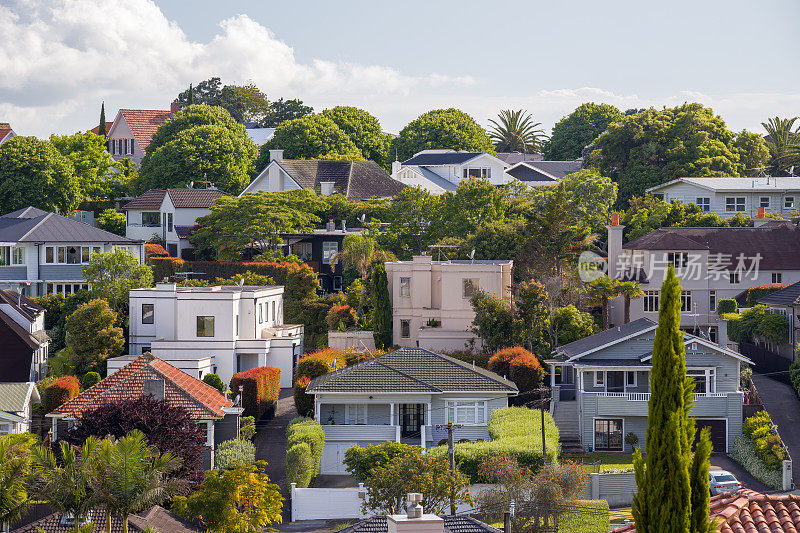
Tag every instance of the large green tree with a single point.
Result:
(312, 137)
(361, 252)
(92, 336)
(200, 143)
(15, 477)
(515, 131)
(438, 129)
(474, 202)
(213, 93)
(281, 110)
(112, 275)
(364, 130)
(411, 217)
(382, 310)
(97, 174)
(34, 173)
(754, 153)
(254, 102)
(578, 129)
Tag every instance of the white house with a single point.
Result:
(170, 214)
(16, 406)
(220, 330)
(728, 197)
(6, 133)
(543, 173)
(133, 129)
(439, 171)
(42, 253)
(24, 345)
(431, 306)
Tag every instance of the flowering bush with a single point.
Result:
(341, 317)
(744, 452)
(60, 392)
(261, 387)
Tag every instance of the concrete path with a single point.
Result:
(783, 407)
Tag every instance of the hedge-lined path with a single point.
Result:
(270, 444)
(781, 402)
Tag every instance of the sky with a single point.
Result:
(62, 58)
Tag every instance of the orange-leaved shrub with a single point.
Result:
(60, 391)
(341, 317)
(261, 388)
(154, 250)
(519, 365)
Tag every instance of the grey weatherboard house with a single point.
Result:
(401, 396)
(601, 387)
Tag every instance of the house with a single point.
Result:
(748, 511)
(132, 129)
(431, 306)
(357, 180)
(317, 249)
(43, 253)
(170, 214)
(219, 330)
(6, 133)
(16, 406)
(96, 129)
(145, 375)
(156, 518)
(712, 263)
(786, 302)
(440, 171)
(727, 197)
(512, 158)
(24, 345)
(401, 396)
(543, 173)
(601, 387)
(257, 134)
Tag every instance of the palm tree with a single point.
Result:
(129, 475)
(14, 478)
(361, 252)
(515, 131)
(602, 291)
(64, 484)
(631, 291)
(783, 143)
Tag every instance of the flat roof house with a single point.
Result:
(24, 344)
(221, 330)
(42, 252)
(431, 306)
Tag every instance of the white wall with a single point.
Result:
(690, 192)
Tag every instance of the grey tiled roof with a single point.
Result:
(411, 370)
(444, 158)
(788, 296)
(34, 225)
(181, 198)
(452, 524)
(512, 158)
(526, 173)
(353, 179)
(605, 337)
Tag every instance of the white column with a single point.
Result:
(317, 406)
(422, 436)
(391, 414)
(428, 415)
(553, 375)
(55, 429)
(397, 433)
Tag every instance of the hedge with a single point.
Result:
(234, 450)
(513, 430)
(60, 391)
(768, 445)
(305, 440)
(261, 390)
(519, 365)
(756, 322)
(304, 403)
(727, 305)
(744, 452)
(753, 294)
(215, 381)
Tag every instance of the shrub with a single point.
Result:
(60, 391)
(261, 388)
(154, 250)
(631, 439)
(360, 461)
(304, 403)
(234, 450)
(519, 365)
(305, 441)
(768, 445)
(41, 386)
(215, 381)
(89, 379)
(248, 427)
(727, 305)
(165, 267)
(757, 322)
(321, 362)
(753, 294)
(341, 317)
(500, 361)
(794, 375)
(744, 452)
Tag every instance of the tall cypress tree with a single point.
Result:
(102, 129)
(190, 99)
(699, 478)
(382, 311)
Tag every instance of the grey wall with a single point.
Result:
(14, 272)
(60, 272)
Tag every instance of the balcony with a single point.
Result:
(361, 432)
(635, 403)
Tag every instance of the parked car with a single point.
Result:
(722, 481)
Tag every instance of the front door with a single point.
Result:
(411, 418)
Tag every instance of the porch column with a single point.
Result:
(422, 435)
(397, 433)
(391, 414)
(428, 419)
(553, 375)
(317, 406)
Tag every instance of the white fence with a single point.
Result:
(327, 504)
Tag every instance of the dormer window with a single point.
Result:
(326, 188)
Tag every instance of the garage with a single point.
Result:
(332, 461)
(719, 433)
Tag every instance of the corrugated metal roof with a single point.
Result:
(738, 184)
(442, 158)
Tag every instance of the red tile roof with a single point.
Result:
(180, 389)
(5, 129)
(190, 198)
(747, 511)
(144, 123)
(96, 129)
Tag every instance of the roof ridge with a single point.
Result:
(45, 217)
(467, 366)
(407, 376)
(114, 380)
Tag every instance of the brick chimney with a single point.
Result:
(761, 218)
(614, 244)
(174, 108)
(415, 521)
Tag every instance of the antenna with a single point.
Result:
(241, 282)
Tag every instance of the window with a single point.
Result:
(236, 324)
(704, 204)
(125, 145)
(150, 219)
(48, 255)
(788, 202)
(355, 414)
(69, 255)
(12, 255)
(132, 145)
(630, 378)
(405, 329)
(704, 379)
(169, 221)
(763, 202)
(734, 203)
(777, 277)
(5, 255)
(329, 249)
(148, 313)
(205, 326)
(302, 250)
(337, 283)
(712, 301)
(608, 434)
(678, 259)
(469, 413)
(735, 276)
(260, 313)
(651, 301)
(273, 311)
(599, 378)
(469, 287)
(686, 301)
(405, 287)
(18, 256)
(485, 173)
(326, 188)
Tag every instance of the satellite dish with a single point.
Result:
(363, 218)
(241, 282)
(191, 185)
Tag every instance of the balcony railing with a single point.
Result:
(645, 396)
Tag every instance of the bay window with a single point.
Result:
(69, 255)
(466, 412)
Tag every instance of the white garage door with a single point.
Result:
(333, 457)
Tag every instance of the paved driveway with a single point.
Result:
(723, 462)
(783, 407)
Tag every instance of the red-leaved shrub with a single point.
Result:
(304, 403)
(519, 365)
(261, 388)
(60, 391)
(154, 250)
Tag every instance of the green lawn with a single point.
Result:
(609, 462)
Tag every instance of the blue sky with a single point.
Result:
(398, 60)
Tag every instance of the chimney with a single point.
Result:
(396, 166)
(174, 108)
(331, 225)
(761, 219)
(154, 387)
(614, 245)
(415, 520)
(276, 155)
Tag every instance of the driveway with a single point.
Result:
(723, 462)
(783, 407)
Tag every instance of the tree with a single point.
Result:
(112, 221)
(361, 252)
(167, 427)
(474, 202)
(698, 473)
(783, 143)
(255, 105)
(313, 137)
(652, 147)
(281, 110)
(15, 466)
(226, 232)
(648, 213)
(441, 128)
(592, 195)
(34, 173)
(211, 92)
(493, 322)
(754, 153)
(200, 143)
(382, 310)
(412, 213)
(578, 129)
(91, 335)
(101, 130)
(568, 324)
(364, 130)
(664, 499)
(97, 174)
(602, 290)
(129, 475)
(515, 131)
(629, 290)
(534, 317)
(241, 499)
(360, 461)
(112, 275)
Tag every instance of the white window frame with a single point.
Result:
(686, 301)
(5, 428)
(712, 301)
(788, 202)
(329, 249)
(351, 419)
(478, 172)
(213, 327)
(405, 287)
(407, 321)
(734, 276)
(326, 188)
(602, 381)
(635, 375)
(56, 248)
(763, 201)
(678, 259)
(704, 203)
(17, 255)
(479, 407)
(651, 301)
(261, 313)
(735, 204)
(777, 277)
(710, 374)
